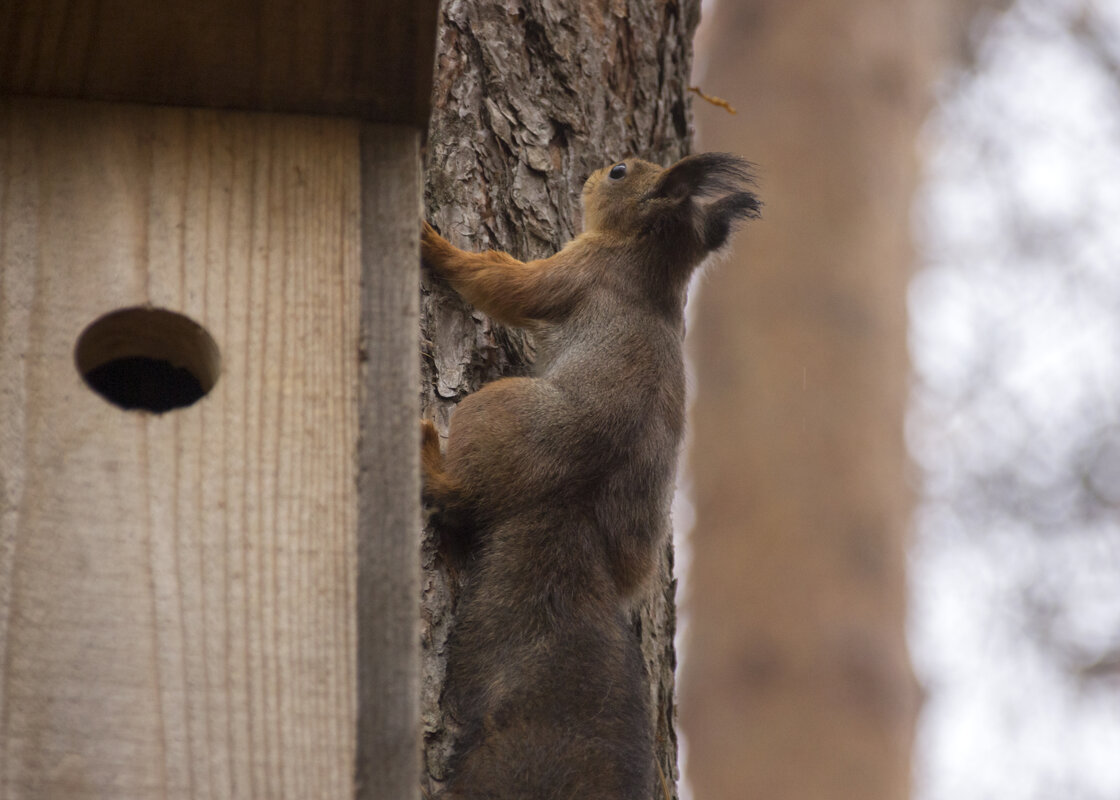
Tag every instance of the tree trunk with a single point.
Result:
(797, 682)
(529, 98)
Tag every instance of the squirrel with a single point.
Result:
(559, 484)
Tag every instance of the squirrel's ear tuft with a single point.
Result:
(725, 180)
(721, 217)
(704, 174)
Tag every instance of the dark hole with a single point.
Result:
(148, 383)
(148, 359)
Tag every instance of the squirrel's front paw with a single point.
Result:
(431, 245)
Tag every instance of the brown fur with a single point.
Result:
(561, 483)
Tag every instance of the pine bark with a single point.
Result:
(531, 96)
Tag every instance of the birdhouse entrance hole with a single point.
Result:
(148, 359)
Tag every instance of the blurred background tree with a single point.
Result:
(796, 682)
(795, 676)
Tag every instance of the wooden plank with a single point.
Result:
(370, 59)
(177, 592)
(388, 763)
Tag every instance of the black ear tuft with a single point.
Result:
(703, 175)
(722, 215)
(709, 193)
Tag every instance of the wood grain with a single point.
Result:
(388, 606)
(177, 592)
(369, 59)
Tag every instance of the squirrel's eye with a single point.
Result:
(617, 171)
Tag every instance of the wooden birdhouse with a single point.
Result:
(209, 521)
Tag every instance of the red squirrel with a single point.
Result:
(557, 486)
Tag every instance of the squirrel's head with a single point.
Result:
(690, 207)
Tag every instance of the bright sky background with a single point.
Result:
(1016, 347)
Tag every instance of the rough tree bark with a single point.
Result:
(530, 96)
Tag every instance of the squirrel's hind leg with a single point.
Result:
(452, 517)
(431, 459)
(439, 489)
